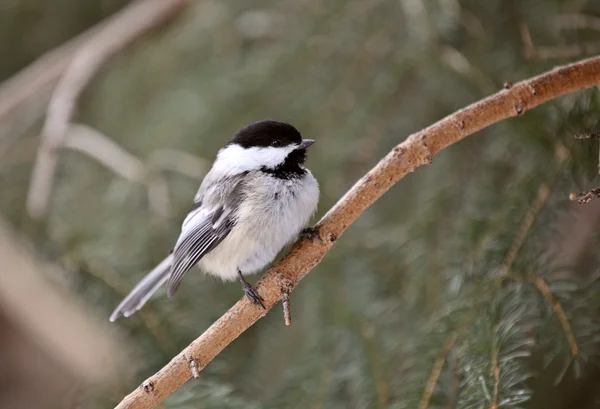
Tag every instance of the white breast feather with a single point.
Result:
(271, 216)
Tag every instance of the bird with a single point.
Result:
(257, 198)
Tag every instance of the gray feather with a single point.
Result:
(204, 229)
(144, 290)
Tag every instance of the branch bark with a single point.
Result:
(417, 150)
(119, 31)
(37, 79)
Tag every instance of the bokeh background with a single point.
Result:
(471, 284)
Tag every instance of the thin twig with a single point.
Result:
(287, 312)
(495, 370)
(589, 135)
(541, 285)
(585, 197)
(436, 371)
(194, 368)
(118, 32)
(496, 374)
(287, 287)
(380, 381)
(562, 154)
(41, 76)
(454, 395)
(415, 151)
(528, 221)
(92, 143)
(529, 47)
(96, 145)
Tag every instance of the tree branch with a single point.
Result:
(561, 155)
(42, 75)
(417, 150)
(543, 288)
(436, 372)
(585, 197)
(94, 144)
(495, 369)
(119, 31)
(31, 87)
(90, 142)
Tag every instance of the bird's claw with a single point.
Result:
(253, 294)
(311, 233)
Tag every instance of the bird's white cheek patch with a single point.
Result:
(271, 157)
(234, 159)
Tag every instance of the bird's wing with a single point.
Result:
(208, 223)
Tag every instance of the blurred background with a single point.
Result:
(473, 283)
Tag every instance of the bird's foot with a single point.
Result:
(311, 233)
(251, 291)
(253, 294)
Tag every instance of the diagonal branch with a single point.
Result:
(436, 372)
(94, 144)
(37, 79)
(417, 150)
(495, 368)
(117, 32)
(543, 288)
(561, 155)
(90, 142)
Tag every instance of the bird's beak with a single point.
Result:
(306, 143)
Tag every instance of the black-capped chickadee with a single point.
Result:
(257, 198)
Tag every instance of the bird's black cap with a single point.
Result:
(267, 133)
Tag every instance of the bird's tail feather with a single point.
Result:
(144, 289)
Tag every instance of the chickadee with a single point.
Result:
(257, 198)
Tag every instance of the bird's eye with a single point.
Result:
(276, 144)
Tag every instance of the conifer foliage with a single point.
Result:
(473, 283)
